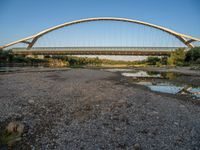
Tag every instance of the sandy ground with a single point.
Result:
(93, 109)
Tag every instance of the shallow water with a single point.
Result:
(160, 82)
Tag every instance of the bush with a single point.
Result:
(193, 55)
(164, 60)
(177, 57)
(57, 63)
(78, 61)
(198, 61)
(21, 59)
(153, 60)
(6, 56)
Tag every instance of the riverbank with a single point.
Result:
(181, 70)
(25, 68)
(95, 109)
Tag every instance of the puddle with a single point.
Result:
(161, 82)
(163, 87)
(141, 74)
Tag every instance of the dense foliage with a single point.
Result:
(8, 57)
(193, 55)
(153, 60)
(158, 61)
(177, 58)
(5, 56)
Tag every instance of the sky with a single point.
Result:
(22, 18)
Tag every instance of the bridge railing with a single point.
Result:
(98, 49)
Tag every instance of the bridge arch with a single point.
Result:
(186, 39)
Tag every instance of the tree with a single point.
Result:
(177, 57)
(193, 55)
(153, 60)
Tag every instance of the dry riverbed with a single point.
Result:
(95, 109)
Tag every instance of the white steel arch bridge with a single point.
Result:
(31, 40)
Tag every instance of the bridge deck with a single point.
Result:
(143, 51)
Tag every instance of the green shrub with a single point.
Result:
(193, 55)
(177, 57)
(164, 60)
(6, 56)
(21, 59)
(153, 60)
(57, 63)
(197, 61)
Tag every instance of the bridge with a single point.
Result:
(31, 41)
(145, 51)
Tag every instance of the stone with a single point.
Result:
(31, 101)
(137, 146)
(15, 127)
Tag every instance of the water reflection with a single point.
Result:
(161, 82)
(141, 74)
(162, 87)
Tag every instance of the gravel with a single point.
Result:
(95, 109)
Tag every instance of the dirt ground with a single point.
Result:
(94, 109)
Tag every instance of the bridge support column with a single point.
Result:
(32, 43)
(188, 43)
(36, 56)
(40, 56)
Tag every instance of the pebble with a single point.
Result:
(49, 116)
(15, 126)
(137, 146)
(31, 101)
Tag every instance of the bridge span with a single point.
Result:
(139, 51)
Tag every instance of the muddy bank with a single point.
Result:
(95, 109)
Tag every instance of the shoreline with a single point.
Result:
(181, 70)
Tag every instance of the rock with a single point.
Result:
(30, 101)
(176, 123)
(193, 132)
(15, 127)
(12, 133)
(117, 129)
(137, 146)
(179, 140)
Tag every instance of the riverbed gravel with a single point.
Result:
(95, 109)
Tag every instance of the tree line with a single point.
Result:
(179, 57)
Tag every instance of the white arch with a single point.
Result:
(186, 39)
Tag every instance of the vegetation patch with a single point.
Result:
(11, 134)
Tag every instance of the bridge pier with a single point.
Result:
(35, 56)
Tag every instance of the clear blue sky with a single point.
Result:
(21, 18)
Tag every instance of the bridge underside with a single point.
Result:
(151, 51)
